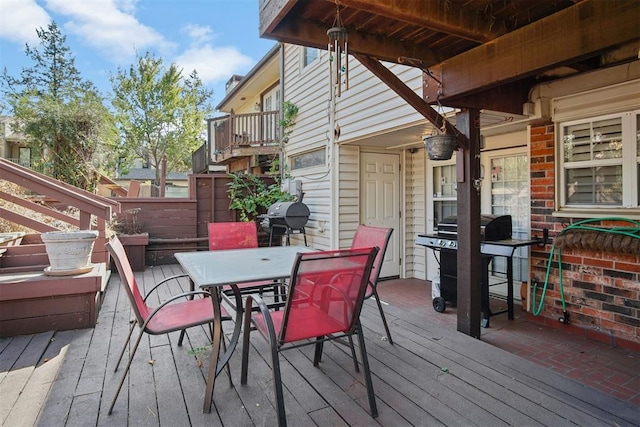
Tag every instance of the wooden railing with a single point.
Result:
(94, 210)
(199, 162)
(244, 130)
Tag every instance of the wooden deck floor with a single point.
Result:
(430, 376)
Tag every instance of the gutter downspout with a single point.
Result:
(281, 114)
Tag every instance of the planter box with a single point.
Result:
(34, 302)
(135, 246)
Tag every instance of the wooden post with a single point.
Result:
(468, 273)
(163, 176)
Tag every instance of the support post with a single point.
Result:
(468, 265)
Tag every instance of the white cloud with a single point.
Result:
(213, 64)
(19, 20)
(199, 34)
(103, 25)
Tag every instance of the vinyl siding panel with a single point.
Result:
(349, 194)
(415, 213)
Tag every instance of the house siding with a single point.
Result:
(415, 213)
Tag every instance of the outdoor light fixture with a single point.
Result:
(338, 54)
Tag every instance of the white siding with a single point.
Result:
(369, 107)
(349, 194)
(415, 213)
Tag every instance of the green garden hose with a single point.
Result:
(632, 231)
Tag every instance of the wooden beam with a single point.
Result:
(312, 34)
(412, 98)
(507, 98)
(571, 35)
(435, 15)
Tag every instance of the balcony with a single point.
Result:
(234, 136)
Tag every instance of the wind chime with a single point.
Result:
(338, 55)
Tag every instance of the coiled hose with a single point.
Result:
(632, 231)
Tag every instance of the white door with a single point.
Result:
(380, 202)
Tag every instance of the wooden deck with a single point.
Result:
(432, 375)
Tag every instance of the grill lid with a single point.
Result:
(492, 227)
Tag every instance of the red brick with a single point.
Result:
(604, 263)
(623, 266)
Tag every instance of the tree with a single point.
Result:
(62, 115)
(159, 113)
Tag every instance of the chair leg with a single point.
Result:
(124, 374)
(318, 353)
(124, 347)
(367, 373)
(384, 319)
(245, 344)
(277, 384)
(353, 354)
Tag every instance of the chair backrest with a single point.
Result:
(232, 235)
(326, 293)
(128, 279)
(366, 237)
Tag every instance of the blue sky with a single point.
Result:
(218, 38)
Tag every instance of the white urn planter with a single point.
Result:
(69, 252)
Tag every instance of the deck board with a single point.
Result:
(430, 376)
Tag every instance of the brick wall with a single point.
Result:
(601, 289)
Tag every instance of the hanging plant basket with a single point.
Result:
(440, 147)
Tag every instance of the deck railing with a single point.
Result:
(232, 131)
(90, 206)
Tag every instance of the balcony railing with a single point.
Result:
(240, 135)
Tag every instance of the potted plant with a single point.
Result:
(134, 240)
(69, 252)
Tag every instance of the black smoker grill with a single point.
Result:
(286, 218)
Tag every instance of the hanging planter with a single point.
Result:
(440, 147)
(69, 252)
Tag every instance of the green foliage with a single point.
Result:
(159, 113)
(289, 116)
(251, 195)
(62, 115)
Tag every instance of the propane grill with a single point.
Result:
(286, 218)
(495, 236)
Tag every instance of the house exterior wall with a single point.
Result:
(415, 217)
(368, 108)
(601, 287)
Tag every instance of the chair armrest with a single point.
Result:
(264, 311)
(172, 299)
(162, 282)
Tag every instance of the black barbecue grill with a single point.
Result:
(286, 218)
(495, 236)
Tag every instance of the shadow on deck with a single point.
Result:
(432, 375)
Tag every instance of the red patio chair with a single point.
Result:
(365, 237)
(324, 299)
(172, 315)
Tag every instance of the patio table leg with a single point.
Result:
(215, 365)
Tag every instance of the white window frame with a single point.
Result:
(630, 162)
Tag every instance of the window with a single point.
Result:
(445, 196)
(600, 162)
(309, 159)
(309, 55)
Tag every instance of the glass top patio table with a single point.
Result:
(213, 269)
(217, 268)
